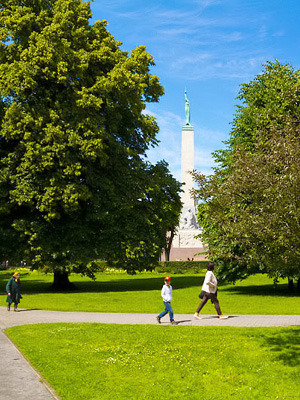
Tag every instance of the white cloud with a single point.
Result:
(203, 159)
(209, 66)
(278, 33)
(201, 39)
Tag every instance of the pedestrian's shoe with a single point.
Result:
(173, 322)
(16, 308)
(8, 307)
(196, 315)
(158, 319)
(223, 316)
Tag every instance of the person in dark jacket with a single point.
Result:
(13, 289)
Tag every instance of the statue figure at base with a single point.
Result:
(188, 220)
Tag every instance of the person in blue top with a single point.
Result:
(166, 294)
(13, 290)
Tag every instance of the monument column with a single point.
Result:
(186, 245)
(187, 165)
(187, 159)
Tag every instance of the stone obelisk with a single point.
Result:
(187, 158)
(185, 243)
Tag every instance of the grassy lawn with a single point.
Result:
(141, 294)
(95, 361)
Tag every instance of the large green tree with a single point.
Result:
(251, 209)
(263, 102)
(150, 219)
(74, 133)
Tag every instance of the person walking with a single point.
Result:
(166, 294)
(209, 290)
(13, 289)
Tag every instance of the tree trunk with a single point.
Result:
(169, 244)
(167, 254)
(61, 281)
(298, 285)
(291, 284)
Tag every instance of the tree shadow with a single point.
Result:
(28, 286)
(136, 284)
(262, 290)
(143, 283)
(119, 285)
(284, 346)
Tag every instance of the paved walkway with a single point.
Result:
(19, 380)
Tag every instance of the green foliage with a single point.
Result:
(143, 227)
(181, 267)
(74, 184)
(251, 214)
(248, 363)
(265, 102)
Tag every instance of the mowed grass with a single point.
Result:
(141, 294)
(95, 361)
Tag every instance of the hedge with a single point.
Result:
(164, 267)
(181, 267)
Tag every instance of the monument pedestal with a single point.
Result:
(186, 246)
(185, 238)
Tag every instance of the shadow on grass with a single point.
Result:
(141, 283)
(121, 285)
(138, 284)
(284, 346)
(27, 286)
(262, 290)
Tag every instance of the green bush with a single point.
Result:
(100, 265)
(171, 267)
(181, 267)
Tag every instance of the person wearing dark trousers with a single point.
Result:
(166, 294)
(209, 289)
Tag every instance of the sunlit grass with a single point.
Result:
(94, 361)
(141, 294)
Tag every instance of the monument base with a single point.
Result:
(186, 238)
(180, 254)
(186, 246)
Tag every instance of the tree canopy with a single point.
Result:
(74, 182)
(251, 209)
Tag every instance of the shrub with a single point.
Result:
(181, 267)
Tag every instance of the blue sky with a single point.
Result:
(209, 46)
